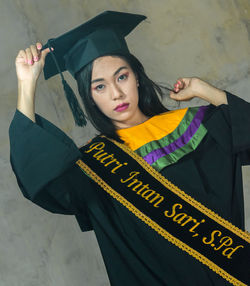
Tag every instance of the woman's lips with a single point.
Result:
(122, 107)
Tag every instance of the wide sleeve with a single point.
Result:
(43, 159)
(230, 126)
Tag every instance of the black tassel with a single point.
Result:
(79, 116)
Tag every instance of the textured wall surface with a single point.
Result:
(209, 39)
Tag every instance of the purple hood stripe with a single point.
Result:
(181, 141)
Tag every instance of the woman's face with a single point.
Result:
(114, 89)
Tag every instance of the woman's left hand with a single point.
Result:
(189, 87)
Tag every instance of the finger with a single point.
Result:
(176, 89)
(34, 52)
(39, 45)
(177, 96)
(185, 81)
(45, 52)
(174, 95)
(39, 48)
(177, 86)
(29, 56)
(180, 83)
(21, 57)
(171, 94)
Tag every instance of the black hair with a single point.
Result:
(149, 102)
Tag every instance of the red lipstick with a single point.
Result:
(121, 107)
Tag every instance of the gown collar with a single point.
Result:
(165, 138)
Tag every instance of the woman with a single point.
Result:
(122, 103)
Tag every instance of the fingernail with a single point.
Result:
(30, 62)
(35, 59)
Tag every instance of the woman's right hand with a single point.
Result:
(30, 62)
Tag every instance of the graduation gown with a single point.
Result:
(43, 160)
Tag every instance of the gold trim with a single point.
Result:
(158, 228)
(243, 234)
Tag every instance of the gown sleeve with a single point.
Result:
(43, 159)
(232, 118)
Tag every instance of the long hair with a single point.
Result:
(149, 92)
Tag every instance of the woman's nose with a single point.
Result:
(116, 92)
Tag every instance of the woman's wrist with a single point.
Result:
(211, 94)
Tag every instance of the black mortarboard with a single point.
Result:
(102, 35)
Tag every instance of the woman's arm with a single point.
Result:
(29, 64)
(26, 98)
(234, 112)
(187, 88)
(41, 155)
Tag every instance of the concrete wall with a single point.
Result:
(208, 39)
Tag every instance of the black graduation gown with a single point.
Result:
(43, 160)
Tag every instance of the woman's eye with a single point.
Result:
(99, 87)
(123, 77)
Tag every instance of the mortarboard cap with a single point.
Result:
(102, 35)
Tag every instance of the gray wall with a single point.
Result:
(208, 39)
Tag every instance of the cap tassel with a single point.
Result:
(78, 114)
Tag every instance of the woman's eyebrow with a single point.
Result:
(115, 73)
(121, 68)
